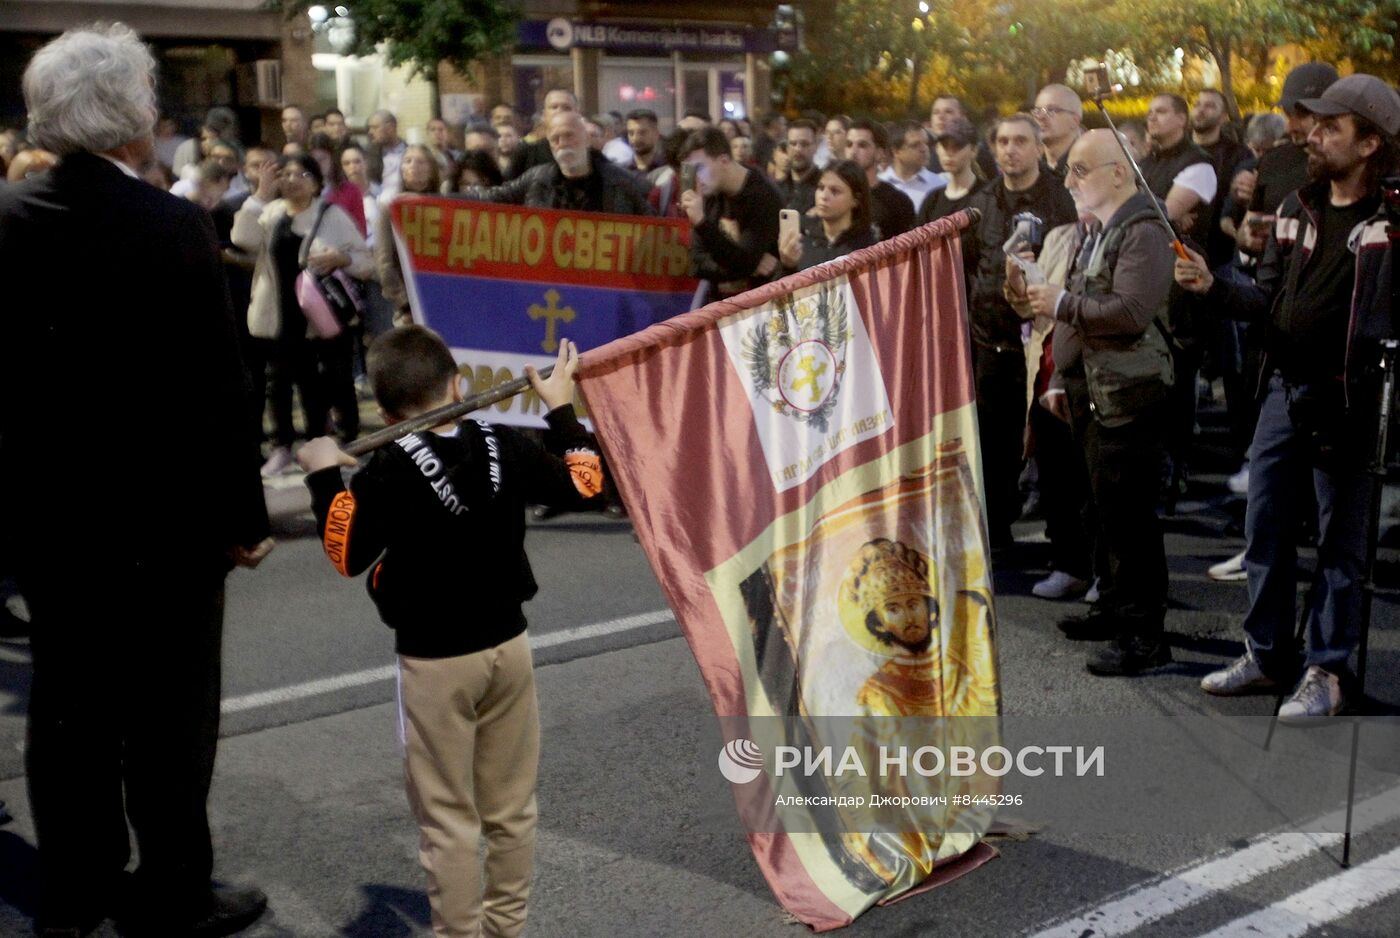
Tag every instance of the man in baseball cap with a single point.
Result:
(1305, 81)
(1284, 168)
(1363, 96)
(1323, 292)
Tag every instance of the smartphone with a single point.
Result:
(1096, 83)
(788, 220)
(688, 176)
(1261, 224)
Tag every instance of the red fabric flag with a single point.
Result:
(801, 467)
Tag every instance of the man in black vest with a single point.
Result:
(998, 357)
(1178, 171)
(1117, 294)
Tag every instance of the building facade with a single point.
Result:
(707, 57)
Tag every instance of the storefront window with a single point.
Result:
(535, 75)
(731, 95)
(626, 86)
(697, 92)
(716, 90)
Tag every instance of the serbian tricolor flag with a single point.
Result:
(801, 467)
(502, 284)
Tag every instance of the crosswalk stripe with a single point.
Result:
(327, 685)
(1334, 898)
(1156, 899)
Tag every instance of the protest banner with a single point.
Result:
(502, 283)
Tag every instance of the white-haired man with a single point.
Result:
(124, 708)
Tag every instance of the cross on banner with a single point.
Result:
(553, 313)
(807, 372)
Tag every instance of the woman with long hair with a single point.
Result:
(420, 175)
(339, 189)
(477, 168)
(842, 212)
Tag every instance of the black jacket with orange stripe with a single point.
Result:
(441, 519)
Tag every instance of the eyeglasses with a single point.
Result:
(293, 174)
(1081, 171)
(1047, 111)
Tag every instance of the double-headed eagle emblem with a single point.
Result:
(796, 354)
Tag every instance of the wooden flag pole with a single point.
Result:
(442, 415)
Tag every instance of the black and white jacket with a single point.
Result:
(440, 519)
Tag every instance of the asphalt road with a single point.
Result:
(308, 800)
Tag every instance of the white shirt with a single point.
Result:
(918, 188)
(391, 182)
(166, 148)
(1200, 179)
(617, 151)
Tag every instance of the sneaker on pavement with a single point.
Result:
(1129, 656)
(1319, 695)
(1060, 585)
(1092, 596)
(1243, 676)
(1229, 571)
(1239, 482)
(277, 463)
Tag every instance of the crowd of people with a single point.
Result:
(1106, 273)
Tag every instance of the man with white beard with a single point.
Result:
(579, 178)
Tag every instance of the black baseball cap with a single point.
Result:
(1363, 95)
(958, 133)
(1306, 81)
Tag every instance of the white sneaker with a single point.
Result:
(1229, 571)
(1318, 695)
(277, 463)
(1060, 585)
(1239, 482)
(1092, 595)
(1243, 676)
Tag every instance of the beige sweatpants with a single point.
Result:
(471, 753)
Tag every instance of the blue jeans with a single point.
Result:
(1279, 465)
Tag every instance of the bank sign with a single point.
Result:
(664, 38)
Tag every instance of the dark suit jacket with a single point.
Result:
(124, 429)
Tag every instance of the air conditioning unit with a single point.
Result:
(260, 83)
(269, 76)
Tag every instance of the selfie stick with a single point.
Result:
(442, 415)
(1104, 90)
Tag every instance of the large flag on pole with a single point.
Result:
(502, 284)
(801, 466)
